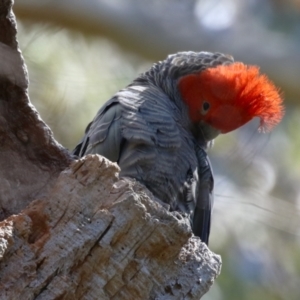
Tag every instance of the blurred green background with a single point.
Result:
(79, 53)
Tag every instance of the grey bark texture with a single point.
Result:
(30, 158)
(72, 229)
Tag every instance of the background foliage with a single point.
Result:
(75, 66)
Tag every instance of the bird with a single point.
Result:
(159, 128)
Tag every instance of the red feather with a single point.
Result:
(242, 87)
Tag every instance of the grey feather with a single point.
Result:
(146, 129)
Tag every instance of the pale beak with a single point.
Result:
(208, 132)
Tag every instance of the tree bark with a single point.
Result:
(72, 229)
(30, 158)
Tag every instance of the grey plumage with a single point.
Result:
(146, 129)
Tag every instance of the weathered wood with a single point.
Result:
(30, 157)
(94, 237)
(74, 230)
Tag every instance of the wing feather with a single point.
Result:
(103, 136)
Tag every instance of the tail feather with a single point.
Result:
(204, 201)
(201, 223)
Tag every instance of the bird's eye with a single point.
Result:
(205, 107)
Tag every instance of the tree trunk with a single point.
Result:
(71, 229)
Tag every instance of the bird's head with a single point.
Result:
(223, 98)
